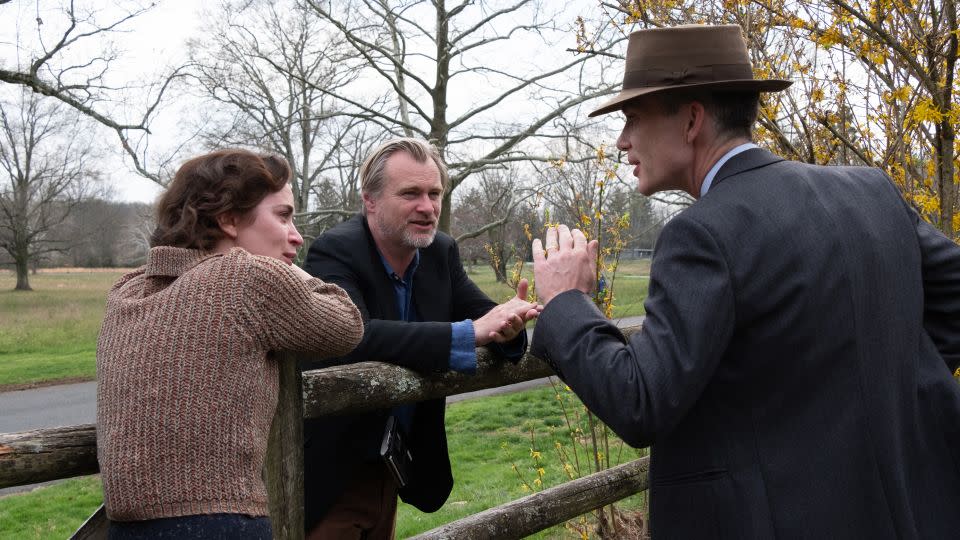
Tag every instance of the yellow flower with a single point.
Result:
(926, 111)
(601, 153)
(541, 472)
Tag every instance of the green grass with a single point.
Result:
(53, 512)
(50, 333)
(487, 436)
(629, 285)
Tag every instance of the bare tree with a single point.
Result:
(491, 217)
(263, 66)
(102, 233)
(44, 172)
(426, 54)
(49, 64)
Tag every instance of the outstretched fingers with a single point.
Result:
(593, 248)
(579, 240)
(564, 238)
(538, 252)
(522, 289)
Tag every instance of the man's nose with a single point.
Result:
(623, 143)
(425, 204)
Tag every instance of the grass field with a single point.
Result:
(487, 437)
(50, 334)
(52, 512)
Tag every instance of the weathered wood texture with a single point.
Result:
(373, 385)
(549, 507)
(30, 457)
(284, 465)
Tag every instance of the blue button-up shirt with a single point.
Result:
(463, 354)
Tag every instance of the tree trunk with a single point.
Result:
(948, 189)
(23, 274)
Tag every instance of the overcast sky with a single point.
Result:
(150, 44)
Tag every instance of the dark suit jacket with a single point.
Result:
(793, 374)
(347, 256)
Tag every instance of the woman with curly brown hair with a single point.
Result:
(186, 370)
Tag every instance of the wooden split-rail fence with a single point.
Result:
(51, 454)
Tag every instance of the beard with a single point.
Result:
(406, 237)
(418, 241)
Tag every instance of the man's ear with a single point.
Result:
(696, 116)
(228, 224)
(369, 202)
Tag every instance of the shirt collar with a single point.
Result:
(708, 180)
(410, 269)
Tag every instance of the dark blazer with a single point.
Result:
(793, 375)
(335, 446)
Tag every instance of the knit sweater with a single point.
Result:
(187, 383)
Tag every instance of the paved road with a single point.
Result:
(62, 405)
(74, 404)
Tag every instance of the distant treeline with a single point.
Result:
(96, 234)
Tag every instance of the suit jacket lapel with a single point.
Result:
(743, 162)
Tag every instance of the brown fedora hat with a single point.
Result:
(689, 56)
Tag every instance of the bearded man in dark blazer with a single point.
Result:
(793, 375)
(420, 311)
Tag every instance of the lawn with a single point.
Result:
(629, 285)
(50, 334)
(53, 512)
(487, 437)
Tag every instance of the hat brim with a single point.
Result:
(758, 85)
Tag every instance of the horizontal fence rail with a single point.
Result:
(549, 507)
(31, 457)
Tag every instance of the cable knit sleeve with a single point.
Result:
(289, 313)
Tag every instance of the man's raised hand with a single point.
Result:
(567, 262)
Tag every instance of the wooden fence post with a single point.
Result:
(284, 465)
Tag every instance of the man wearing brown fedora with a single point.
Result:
(793, 373)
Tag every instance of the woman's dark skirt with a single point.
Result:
(206, 526)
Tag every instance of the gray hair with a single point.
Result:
(372, 176)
